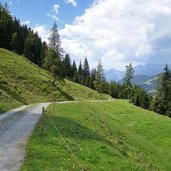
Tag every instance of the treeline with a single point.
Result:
(95, 79)
(162, 101)
(24, 41)
(19, 38)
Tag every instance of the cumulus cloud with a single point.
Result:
(42, 31)
(119, 32)
(72, 2)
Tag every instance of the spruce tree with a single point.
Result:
(86, 72)
(127, 86)
(99, 78)
(15, 42)
(43, 53)
(80, 73)
(114, 89)
(53, 61)
(162, 103)
(92, 78)
(141, 98)
(29, 47)
(5, 27)
(54, 40)
(74, 72)
(67, 70)
(54, 65)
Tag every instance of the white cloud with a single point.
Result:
(56, 8)
(72, 2)
(54, 12)
(53, 16)
(25, 22)
(118, 32)
(143, 50)
(42, 31)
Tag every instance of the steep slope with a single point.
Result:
(22, 82)
(112, 135)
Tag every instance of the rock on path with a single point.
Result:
(15, 128)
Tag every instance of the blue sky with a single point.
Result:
(38, 12)
(116, 32)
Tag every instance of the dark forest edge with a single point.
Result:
(24, 41)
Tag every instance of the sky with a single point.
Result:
(116, 32)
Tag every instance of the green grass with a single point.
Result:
(114, 136)
(22, 82)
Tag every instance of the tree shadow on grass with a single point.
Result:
(72, 129)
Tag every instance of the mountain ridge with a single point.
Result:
(148, 69)
(144, 76)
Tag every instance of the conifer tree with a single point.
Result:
(74, 72)
(80, 73)
(54, 65)
(114, 89)
(44, 49)
(92, 78)
(67, 70)
(127, 81)
(29, 47)
(162, 103)
(99, 78)
(15, 42)
(54, 40)
(86, 72)
(141, 98)
(5, 27)
(53, 61)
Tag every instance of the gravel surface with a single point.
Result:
(15, 128)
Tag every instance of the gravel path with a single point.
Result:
(15, 128)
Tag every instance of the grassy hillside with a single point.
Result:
(22, 82)
(112, 136)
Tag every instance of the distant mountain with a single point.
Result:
(148, 83)
(143, 71)
(144, 75)
(149, 69)
(113, 75)
(138, 79)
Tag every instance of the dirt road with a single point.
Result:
(15, 128)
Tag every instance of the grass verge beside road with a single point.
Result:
(103, 136)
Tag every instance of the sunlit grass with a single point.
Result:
(103, 136)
